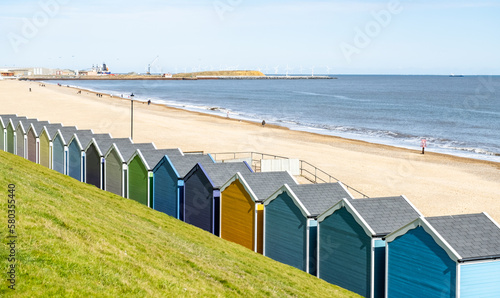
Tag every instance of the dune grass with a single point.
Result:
(76, 240)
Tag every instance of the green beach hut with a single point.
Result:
(46, 136)
(140, 173)
(115, 166)
(4, 121)
(11, 134)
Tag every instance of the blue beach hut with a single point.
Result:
(60, 148)
(290, 221)
(94, 158)
(202, 185)
(76, 152)
(168, 181)
(351, 251)
(445, 256)
(115, 166)
(140, 173)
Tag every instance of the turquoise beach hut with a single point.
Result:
(351, 249)
(140, 173)
(115, 166)
(60, 148)
(168, 181)
(445, 256)
(94, 158)
(76, 152)
(202, 184)
(290, 221)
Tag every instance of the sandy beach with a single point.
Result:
(436, 184)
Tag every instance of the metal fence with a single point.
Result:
(307, 170)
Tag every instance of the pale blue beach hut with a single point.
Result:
(445, 256)
(351, 249)
(60, 151)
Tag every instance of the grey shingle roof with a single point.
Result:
(153, 157)
(264, 184)
(4, 118)
(67, 133)
(85, 137)
(385, 215)
(183, 164)
(52, 129)
(15, 120)
(27, 122)
(127, 150)
(317, 198)
(471, 235)
(105, 144)
(38, 127)
(220, 173)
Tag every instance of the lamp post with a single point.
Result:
(132, 116)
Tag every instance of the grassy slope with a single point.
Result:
(76, 239)
(252, 73)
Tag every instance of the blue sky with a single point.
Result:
(338, 37)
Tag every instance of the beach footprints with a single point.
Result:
(30, 27)
(222, 7)
(365, 35)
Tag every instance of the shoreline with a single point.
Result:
(437, 184)
(322, 132)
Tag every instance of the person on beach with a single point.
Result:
(149, 102)
(263, 123)
(30, 89)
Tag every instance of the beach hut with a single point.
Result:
(445, 256)
(76, 152)
(94, 158)
(168, 181)
(33, 140)
(45, 144)
(4, 121)
(11, 134)
(351, 251)
(22, 136)
(60, 148)
(140, 173)
(290, 224)
(241, 211)
(202, 185)
(115, 165)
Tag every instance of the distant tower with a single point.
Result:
(104, 67)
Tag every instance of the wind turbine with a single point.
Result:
(276, 68)
(286, 70)
(328, 69)
(312, 71)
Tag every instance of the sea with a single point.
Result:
(455, 115)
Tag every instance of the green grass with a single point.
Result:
(76, 240)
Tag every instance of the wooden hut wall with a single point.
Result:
(198, 200)
(93, 166)
(238, 215)
(31, 144)
(345, 253)
(166, 189)
(44, 150)
(10, 139)
(20, 142)
(138, 181)
(2, 138)
(74, 161)
(114, 173)
(58, 154)
(480, 279)
(417, 264)
(285, 232)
